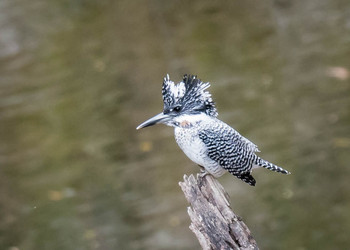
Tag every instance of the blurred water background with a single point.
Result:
(77, 77)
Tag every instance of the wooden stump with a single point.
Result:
(213, 222)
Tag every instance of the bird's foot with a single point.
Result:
(203, 172)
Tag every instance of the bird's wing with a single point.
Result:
(227, 147)
(223, 129)
(252, 147)
(230, 150)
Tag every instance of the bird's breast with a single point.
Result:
(190, 143)
(193, 146)
(195, 149)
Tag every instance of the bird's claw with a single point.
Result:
(203, 172)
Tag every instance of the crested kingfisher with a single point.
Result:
(207, 141)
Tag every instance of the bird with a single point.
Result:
(206, 140)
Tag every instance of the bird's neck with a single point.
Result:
(188, 121)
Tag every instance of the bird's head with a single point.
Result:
(184, 99)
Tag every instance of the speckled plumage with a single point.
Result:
(206, 140)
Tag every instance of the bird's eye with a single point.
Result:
(177, 108)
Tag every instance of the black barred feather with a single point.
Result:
(248, 178)
(233, 152)
(270, 166)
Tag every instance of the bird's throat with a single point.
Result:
(185, 124)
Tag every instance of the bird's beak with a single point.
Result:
(160, 118)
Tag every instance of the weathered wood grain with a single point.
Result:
(212, 220)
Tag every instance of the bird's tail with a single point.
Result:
(270, 166)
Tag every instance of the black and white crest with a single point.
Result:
(189, 95)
